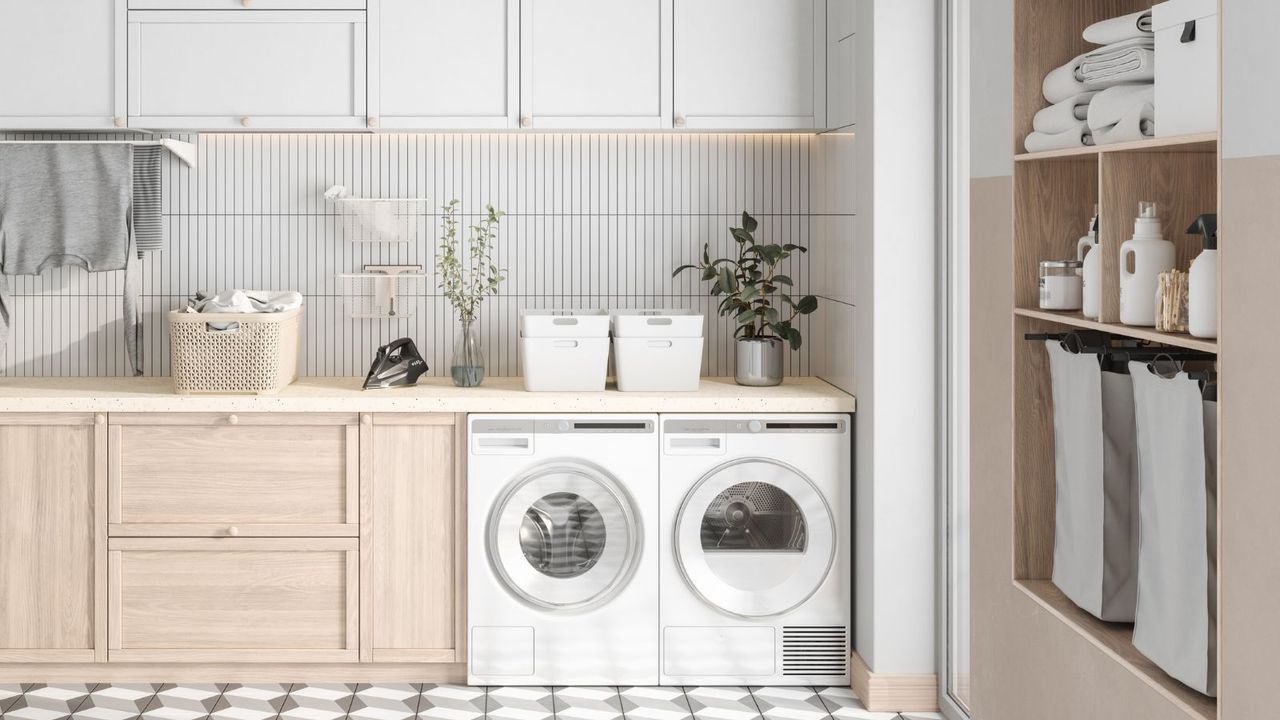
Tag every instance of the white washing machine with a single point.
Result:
(562, 562)
(756, 554)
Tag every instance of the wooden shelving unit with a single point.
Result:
(1054, 194)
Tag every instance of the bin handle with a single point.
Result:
(228, 330)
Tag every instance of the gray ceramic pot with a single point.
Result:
(759, 362)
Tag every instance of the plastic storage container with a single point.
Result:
(564, 350)
(233, 353)
(657, 350)
(1186, 66)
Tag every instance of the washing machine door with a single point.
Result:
(755, 538)
(564, 536)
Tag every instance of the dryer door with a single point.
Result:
(755, 538)
(564, 536)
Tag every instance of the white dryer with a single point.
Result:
(562, 562)
(756, 564)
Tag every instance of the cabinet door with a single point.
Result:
(595, 64)
(233, 599)
(413, 536)
(65, 64)
(52, 538)
(443, 63)
(750, 64)
(256, 70)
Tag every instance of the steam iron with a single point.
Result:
(398, 364)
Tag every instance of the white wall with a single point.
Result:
(1250, 99)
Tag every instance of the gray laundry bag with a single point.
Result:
(1176, 622)
(1095, 545)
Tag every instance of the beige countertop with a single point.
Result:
(430, 395)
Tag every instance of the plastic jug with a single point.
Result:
(1091, 270)
(1202, 281)
(1150, 255)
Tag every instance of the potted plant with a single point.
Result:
(753, 292)
(467, 276)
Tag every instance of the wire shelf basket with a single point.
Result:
(394, 220)
(383, 292)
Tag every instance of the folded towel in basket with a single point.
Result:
(1119, 29)
(1063, 116)
(245, 301)
(1123, 114)
(1128, 61)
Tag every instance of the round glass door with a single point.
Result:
(755, 538)
(564, 536)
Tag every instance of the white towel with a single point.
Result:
(1131, 128)
(1076, 137)
(245, 301)
(1129, 61)
(1119, 29)
(1063, 116)
(1114, 104)
(1064, 82)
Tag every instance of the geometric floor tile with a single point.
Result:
(451, 702)
(654, 703)
(789, 703)
(49, 702)
(922, 716)
(116, 702)
(587, 703)
(250, 702)
(385, 701)
(9, 694)
(722, 703)
(519, 703)
(318, 702)
(183, 702)
(844, 705)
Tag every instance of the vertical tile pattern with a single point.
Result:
(592, 220)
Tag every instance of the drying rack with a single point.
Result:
(185, 151)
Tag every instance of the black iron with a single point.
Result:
(397, 364)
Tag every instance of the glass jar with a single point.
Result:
(467, 367)
(1061, 285)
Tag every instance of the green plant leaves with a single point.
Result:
(742, 236)
(749, 223)
(807, 305)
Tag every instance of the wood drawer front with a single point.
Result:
(233, 600)
(263, 476)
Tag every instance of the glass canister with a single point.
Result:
(1061, 285)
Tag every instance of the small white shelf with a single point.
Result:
(383, 292)
(389, 220)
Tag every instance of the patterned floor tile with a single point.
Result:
(922, 716)
(587, 703)
(389, 701)
(183, 702)
(844, 705)
(451, 702)
(250, 702)
(329, 701)
(519, 703)
(722, 703)
(789, 703)
(49, 702)
(654, 703)
(9, 694)
(116, 702)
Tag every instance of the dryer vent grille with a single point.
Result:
(815, 650)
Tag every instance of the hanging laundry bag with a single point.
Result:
(1176, 621)
(1095, 547)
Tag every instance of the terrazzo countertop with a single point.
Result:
(718, 395)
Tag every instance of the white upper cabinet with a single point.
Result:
(64, 64)
(595, 64)
(247, 4)
(255, 70)
(443, 63)
(750, 64)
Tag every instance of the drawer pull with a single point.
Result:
(233, 531)
(681, 121)
(245, 121)
(100, 419)
(367, 419)
(121, 122)
(233, 419)
(526, 121)
(246, 3)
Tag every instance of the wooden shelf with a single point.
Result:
(1116, 640)
(1199, 143)
(1077, 320)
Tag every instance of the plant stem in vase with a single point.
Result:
(467, 275)
(468, 357)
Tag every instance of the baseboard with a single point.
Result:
(892, 692)
(232, 672)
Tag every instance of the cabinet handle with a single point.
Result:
(681, 121)
(526, 121)
(372, 122)
(233, 419)
(245, 121)
(246, 3)
(121, 122)
(367, 419)
(233, 531)
(100, 419)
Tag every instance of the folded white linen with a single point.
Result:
(1076, 137)
(1131, 128)
(1118, 29)
(1110, 106)
(1129, 61)
(1064, 115)
(1064, 82)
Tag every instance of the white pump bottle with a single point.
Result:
(1151, 255)
(1090, 272)
(1202, 281)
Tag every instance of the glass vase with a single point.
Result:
(467, 368)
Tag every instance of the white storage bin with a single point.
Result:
(564, 350)
(1186, 66)
(657, 350)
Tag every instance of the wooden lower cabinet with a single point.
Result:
(52, 535)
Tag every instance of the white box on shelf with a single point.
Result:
(1186, 66)
(564, 350)
(657, 350)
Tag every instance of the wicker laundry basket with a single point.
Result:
(230, 353)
